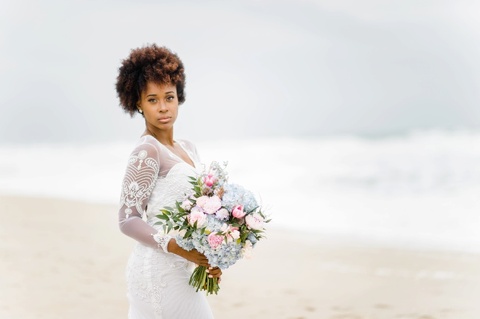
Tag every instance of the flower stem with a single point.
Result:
(200, 280)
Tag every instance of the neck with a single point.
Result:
(164, 137)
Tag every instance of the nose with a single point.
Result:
(162, 106)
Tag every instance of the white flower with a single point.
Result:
(212, 205)
(186, 204)
(222, 214)
(201, 201)
(254, 221)
(247, 249)
(197, 215)
(225, 227)
(235, 234)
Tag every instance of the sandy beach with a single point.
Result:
(66, 259)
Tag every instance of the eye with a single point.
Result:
(170, 98)
(152, 100)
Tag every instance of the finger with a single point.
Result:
(217, 269)
(203, 262)
(216, 275)
(201, 258)
(216, 272)
(200, 261)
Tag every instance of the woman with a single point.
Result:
(151, 82)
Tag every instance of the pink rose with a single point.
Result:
(201, 201)
(196, 215)
(238, 211)
(222, 214)
(209, 180)
(214, 240)
(254, 221)
(212, 205)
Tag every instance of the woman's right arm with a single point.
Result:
(138, 183)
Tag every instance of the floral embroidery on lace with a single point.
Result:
(146, 275)
(162, 241)
(139, 181)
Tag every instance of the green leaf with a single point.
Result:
(243, 236)
(179, 207)
(163, 217)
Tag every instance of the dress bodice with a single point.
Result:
(170, 189)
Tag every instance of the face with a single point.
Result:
(159, 103)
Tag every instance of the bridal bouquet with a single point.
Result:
(221, 220)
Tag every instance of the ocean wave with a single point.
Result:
(420, 188)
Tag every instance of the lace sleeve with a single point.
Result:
(139, 180)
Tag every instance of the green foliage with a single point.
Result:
(201, 281)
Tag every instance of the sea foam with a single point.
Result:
(415, 190)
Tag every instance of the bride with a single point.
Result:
(151, 81)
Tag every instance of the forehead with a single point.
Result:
(159, 88)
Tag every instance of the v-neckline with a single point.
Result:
(179, 157)
(186, 153)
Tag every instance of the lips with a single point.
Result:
(164, 119)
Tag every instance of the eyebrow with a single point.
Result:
(154, 94)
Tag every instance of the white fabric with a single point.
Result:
(162, 240)
(157, 281)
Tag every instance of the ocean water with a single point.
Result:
(417, 190)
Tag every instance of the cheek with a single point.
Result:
(175, 110)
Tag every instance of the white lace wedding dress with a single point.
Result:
(157, 281)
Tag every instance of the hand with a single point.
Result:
(214, 273)
(193, 255)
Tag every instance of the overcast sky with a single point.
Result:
(254, 68)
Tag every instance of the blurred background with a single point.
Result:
(349, 118)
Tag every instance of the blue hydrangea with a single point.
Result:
(223, 257)
(186, 244)
(198, 241)
(252, 239)
(227, 255)
(213, 224)
(237, 195)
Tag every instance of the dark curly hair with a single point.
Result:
(148, 64)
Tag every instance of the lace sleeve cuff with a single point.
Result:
(162, 241)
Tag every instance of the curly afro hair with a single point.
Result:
(148, 64)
